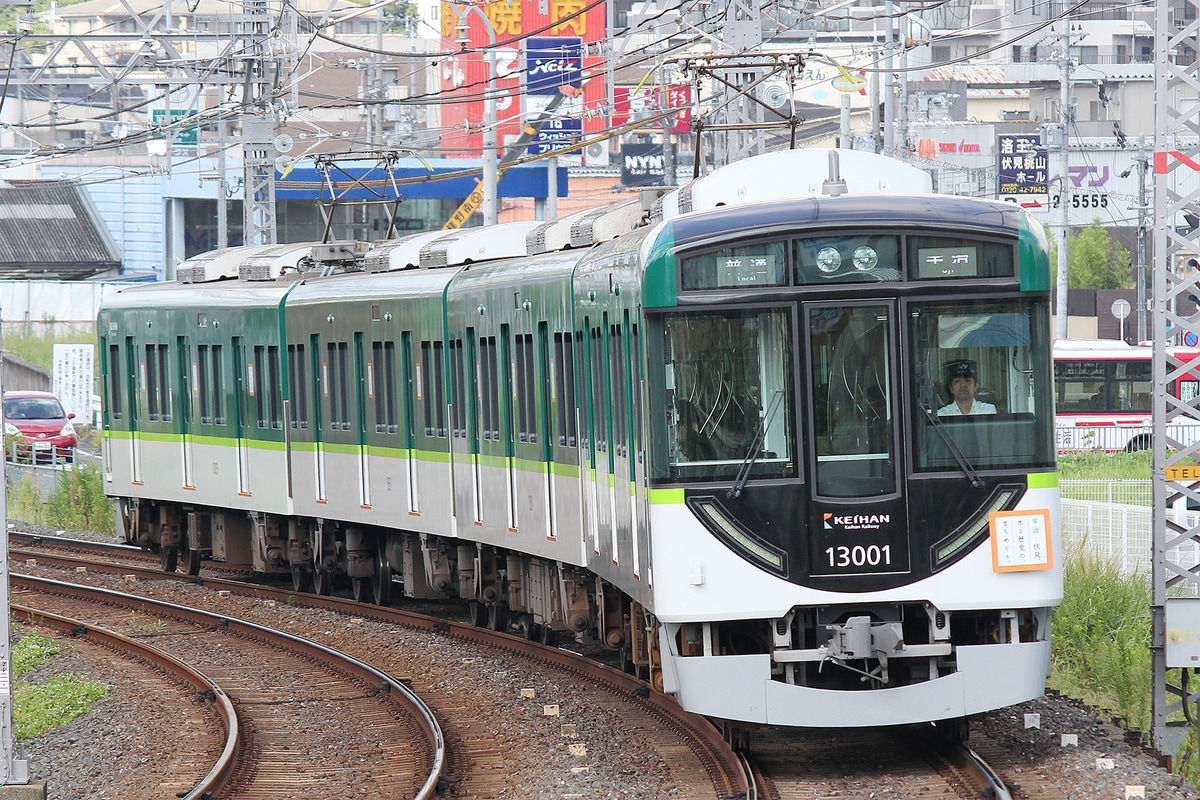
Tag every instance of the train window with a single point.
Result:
(489, 388)
(112, 376)
(852, 402)
(742, 267)
(258, 368)
(726, 377)
(953, 257)
(425, 387)
(164, 386)
(526, 421)
(619, 364)
(409, 390)
(600, 406)
(458, 391)
(157, 391)
(564, 385)
(131, 376)
(338, 385)
(432, 389)
(983, 391)
(546, 378)
(383, 385)
(151, 383)
(202, 379)
(505, 406)
(297, 386)
(218, 384)
(275, 387)
(848, 258)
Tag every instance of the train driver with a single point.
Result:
(961, 378)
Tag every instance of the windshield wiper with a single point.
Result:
(952, 446)
(743, 475)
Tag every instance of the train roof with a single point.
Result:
(218, 294)
(960, 213)
(784, 189)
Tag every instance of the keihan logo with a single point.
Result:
(855, 522)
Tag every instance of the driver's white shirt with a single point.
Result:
(977, 407)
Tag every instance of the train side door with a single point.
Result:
(360, 402)
(410, 422)
(320, 380)
(134, 372)
(185, 383)
(239, 414)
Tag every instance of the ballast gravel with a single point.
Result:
(116, 750)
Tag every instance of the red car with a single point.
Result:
(36, 428)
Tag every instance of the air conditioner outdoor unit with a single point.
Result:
(596, 154)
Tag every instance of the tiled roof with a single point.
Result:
(52, 228)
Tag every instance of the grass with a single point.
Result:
(1100, 644)
(77, 502)
(40, 708)
(1098, 466)
(40, 351)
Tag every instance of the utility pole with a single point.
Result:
(889, 93)
(1142, 164)
(1064, 179)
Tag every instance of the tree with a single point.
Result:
(1094, 260)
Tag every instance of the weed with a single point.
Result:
(38, 709)
(32, 649)
(1101, 638)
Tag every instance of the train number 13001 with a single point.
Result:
(859, 555)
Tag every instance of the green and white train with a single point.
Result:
(713, 433)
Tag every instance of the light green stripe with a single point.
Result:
(1042, 480)
(666, 496)
(566, 470)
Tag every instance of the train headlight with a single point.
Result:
(716, 519)
(828, 259)
(975, 529)
(865, 259)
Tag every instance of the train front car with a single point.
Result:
(854, 502)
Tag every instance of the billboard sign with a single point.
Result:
(631, 103)
(642, 165)
(1023, 175)
(552, 62)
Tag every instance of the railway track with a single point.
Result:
(700, 762)
(282, 688)
(790, 764)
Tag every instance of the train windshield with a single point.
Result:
(728, 380)
(982, 385)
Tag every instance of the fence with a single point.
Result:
(1111, 520)
(1113, 438)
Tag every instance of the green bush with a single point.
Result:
(1101, 638)
(78, 502)
(26, 503)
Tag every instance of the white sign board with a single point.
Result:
(74, 373)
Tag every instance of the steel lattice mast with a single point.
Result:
(1175, 647)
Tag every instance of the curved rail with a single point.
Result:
(722, 765)
(351, 665)
(115, 641)
(994, 785)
